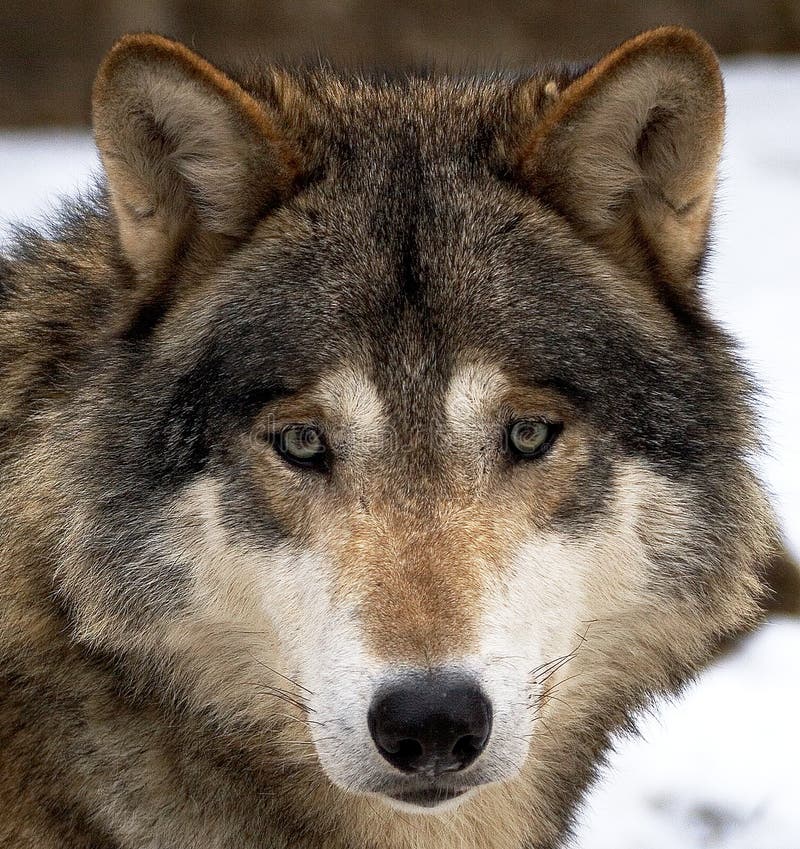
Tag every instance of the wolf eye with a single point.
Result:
(530, 438)
(302, 445)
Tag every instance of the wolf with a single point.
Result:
(368, 454)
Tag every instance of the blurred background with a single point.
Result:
(49, 50)
(720, 767)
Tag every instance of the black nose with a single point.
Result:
(431, 723)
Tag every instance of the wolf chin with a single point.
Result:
(368, 456)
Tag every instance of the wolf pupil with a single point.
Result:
(529, 438)
(302, 445)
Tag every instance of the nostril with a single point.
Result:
(433, 723)
(468, 747)
(402, 753)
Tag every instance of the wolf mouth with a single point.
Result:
(427, 797)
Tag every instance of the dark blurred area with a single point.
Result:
(49, 50)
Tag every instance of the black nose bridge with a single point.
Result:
(431, 723)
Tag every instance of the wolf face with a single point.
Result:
(412, 449)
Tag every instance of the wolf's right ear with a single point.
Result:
(191, 158)
(628, 153)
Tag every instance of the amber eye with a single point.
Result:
(302, 445)
(530, 438)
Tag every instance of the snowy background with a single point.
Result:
(719, 769)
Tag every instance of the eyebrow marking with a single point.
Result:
(473, 389)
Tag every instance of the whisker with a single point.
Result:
(284, 697)
(281, 675)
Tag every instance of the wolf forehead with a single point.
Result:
(407, 214)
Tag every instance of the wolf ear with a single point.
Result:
(191, 158)
(629, 150)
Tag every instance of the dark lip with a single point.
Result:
(427, 797)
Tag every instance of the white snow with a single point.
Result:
(719, 769)
(37, 167)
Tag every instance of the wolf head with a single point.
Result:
(416, 444)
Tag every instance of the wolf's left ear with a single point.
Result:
(628, 153)
(192, 159)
